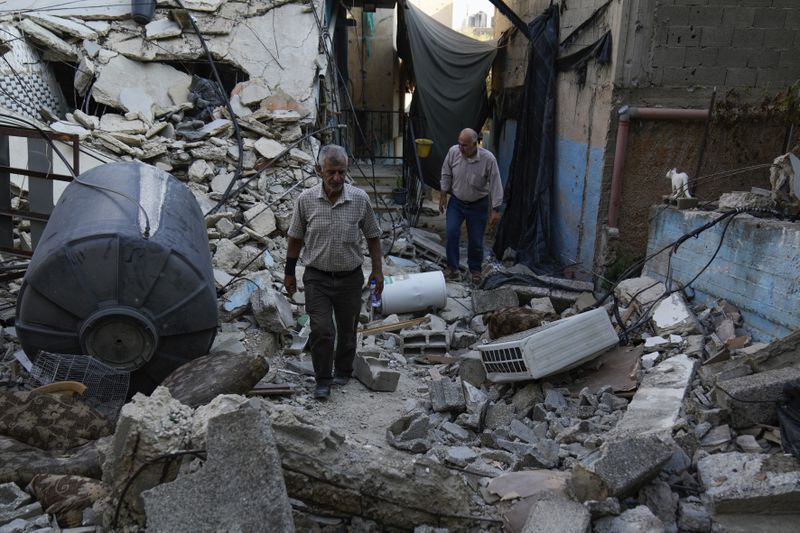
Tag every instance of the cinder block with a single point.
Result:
(734, 57)
(770, 18)
(447, 395)
(764, 387)
(779, 40)
(741, 77)
(698, 57)
(672, 15)
(774, 77)
(709, 75)
(718, 36)
(669, 56)
(375, 374)
(738, 17)
(746, 38)
(788, 58)
(764, 59)
(784, 3)
(424, 342)
(683, 36)
(705, 16)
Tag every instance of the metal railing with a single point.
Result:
(375, 135)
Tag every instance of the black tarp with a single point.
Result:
(526, 225)
(450, 72)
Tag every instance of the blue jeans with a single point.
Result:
(476, 213)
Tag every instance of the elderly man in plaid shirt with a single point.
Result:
(327, 225)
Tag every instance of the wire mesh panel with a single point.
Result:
(106, 387)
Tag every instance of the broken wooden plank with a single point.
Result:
(395, 326)
(272, 389)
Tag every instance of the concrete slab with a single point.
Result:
(657, 404)
(242, 460)
(492, 300)
(155, 79)
(745, 483)
(447, 395)
(620, 466)
(758, 392)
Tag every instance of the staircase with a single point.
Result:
(386, 178)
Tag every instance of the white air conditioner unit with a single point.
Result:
(549, 349)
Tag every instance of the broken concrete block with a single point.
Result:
(70, 129)
(162, 29)
(743, 199)
(763, 389)
(657, 403)
(63, 25)
(25, 512)
(137, 103)
(55, 47)
(148, 427)
(471, 369)
(253, 92)
(227, 255)
(693, 516)
(637, 520)
(456, 309)
(113, 123)
(375, 373)
(556, 515)
(447, 395)
(492, 300)
(620, 466)
(261, 219)
(242, 460)
(460, 455)
(11, 497)
(236, 300)
(672, 315)
(743, 483)
(268, 148)
(660, 499)
(644, 290)
(166, 85)
(410, 433)
(84, 76)
(272, 310)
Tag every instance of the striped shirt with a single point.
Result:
(470, 179)
(331, 233)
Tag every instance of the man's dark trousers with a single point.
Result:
(328, 294)
(476, 213)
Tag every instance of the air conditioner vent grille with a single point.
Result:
(505, 360)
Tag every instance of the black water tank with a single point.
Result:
(133, 290)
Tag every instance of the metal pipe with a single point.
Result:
(625, 115)
(619, 165)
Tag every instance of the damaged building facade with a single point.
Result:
(531, 401)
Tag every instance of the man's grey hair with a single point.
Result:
(333, 152)
(472, 134)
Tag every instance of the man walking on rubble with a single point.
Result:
(471, 176)
(326, 225)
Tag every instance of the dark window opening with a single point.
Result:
(64, 73)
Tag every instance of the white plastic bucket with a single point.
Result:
(413, 292)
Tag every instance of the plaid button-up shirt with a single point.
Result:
(331, 233)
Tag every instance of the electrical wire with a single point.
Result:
(237, 133)
(163, 457)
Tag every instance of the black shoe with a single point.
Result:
(321, 392)
(341, 381)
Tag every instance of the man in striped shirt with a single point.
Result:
(327, 224)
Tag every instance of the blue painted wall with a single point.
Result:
(576, 201)
(757, 268)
